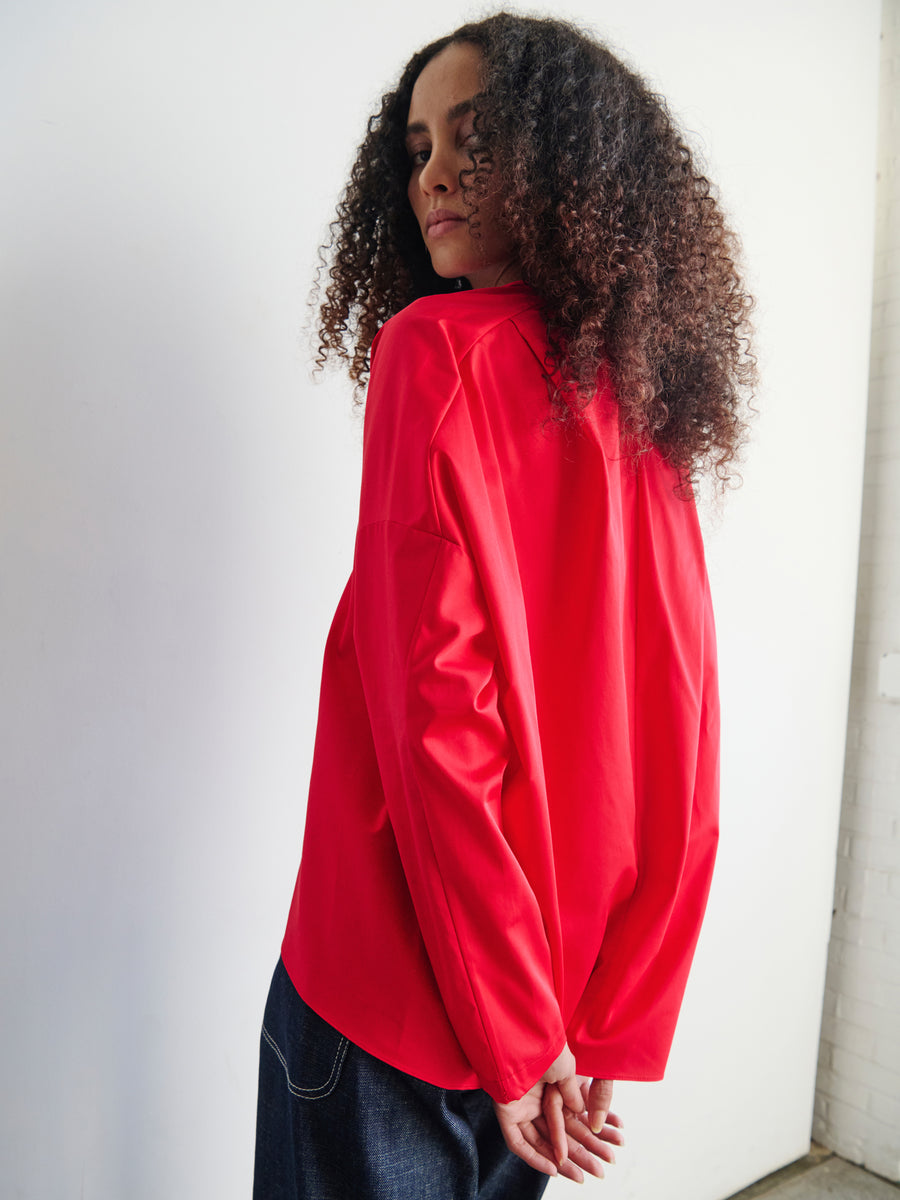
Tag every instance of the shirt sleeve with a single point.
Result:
(625, 1020)
(430, 671)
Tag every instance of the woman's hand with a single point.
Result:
(566, 1093)
(585, 1149)
(582, 1130)
(552, 1126)
(519, 1120)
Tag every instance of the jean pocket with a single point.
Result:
(311, 1052)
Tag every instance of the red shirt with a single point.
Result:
(512, 814)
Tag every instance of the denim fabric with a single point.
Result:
(334, 1123)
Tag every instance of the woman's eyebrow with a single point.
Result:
(457, 110)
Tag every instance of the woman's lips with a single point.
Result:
(440, 221)
(439, 228)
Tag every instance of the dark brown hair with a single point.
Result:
(615, 226)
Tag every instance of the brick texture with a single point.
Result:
(857, 1106)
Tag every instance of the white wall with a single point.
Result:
(858, 1095)
(177, 519)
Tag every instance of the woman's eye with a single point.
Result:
(418, 158)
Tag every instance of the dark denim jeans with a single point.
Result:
(334, 1123)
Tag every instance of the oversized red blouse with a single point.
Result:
(512, 813)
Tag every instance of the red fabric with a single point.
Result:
(512, 814)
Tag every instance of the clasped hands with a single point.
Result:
(563, 1125)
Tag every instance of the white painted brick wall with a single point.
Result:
(857, 1107)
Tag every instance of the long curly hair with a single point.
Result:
(614, 224)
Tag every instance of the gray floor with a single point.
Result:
(821, 1174)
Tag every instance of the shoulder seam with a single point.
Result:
(508, 317)
(537, 358)
(495, 324)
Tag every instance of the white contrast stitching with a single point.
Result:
(330, 1083)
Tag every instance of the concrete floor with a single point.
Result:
(821, 1174)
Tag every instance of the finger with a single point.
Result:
(552, 1108)
(580, 1134)
(571, 1093)
(578, 1155)
(538, 1137)
(516, 1142)
(570, 1171)
(612, 1131)
(599, 1100)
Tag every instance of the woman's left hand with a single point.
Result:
(519, 1121)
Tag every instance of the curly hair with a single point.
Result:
(615, 227)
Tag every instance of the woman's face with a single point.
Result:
(439, 137)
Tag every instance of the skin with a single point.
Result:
(562, 1125)
(439, 137)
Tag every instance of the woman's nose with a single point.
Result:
(440, 173)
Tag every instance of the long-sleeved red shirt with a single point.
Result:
(512, 814)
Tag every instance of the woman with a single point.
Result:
(512, 816)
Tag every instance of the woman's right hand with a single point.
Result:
(561, 1073)
(576, 1120)
(574, 1092)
